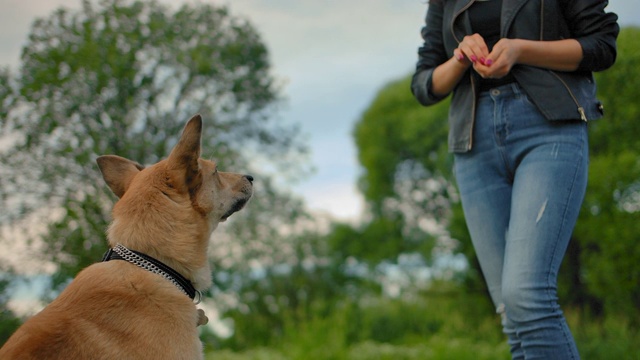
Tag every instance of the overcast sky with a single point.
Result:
(334, 55)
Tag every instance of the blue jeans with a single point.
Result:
(522, 186)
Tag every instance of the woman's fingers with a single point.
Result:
(474, 48)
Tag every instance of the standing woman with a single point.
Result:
(523, 92)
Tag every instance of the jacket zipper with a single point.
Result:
(583, 115)
(473, 111)
(473, 105)
(541, 20)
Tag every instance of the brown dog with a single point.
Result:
(139, 304)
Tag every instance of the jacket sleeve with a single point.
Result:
(431, 54)
(595, 30)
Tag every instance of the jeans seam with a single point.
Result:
(562, 227)
(564, 214)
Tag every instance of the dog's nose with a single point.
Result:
(249, 177)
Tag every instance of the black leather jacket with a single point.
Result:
(558, 95)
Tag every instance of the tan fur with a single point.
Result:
(116, 310)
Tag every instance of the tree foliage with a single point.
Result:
(9, 322)
(122, 77)
(609, 225)
(406, 179)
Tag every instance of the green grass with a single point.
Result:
(436, 349)
(615, 337)
(255, 354)
(431, 329)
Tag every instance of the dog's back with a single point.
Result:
(104, 314)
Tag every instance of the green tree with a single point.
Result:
(609, 225)
(406, 179)
(9, 322)
(122, 77)
(286, 295)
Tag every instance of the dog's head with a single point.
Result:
(169, 210)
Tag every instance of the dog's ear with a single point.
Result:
(184, 156)
(118, 172)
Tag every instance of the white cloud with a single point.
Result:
(340, 200)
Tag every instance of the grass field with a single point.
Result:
(437, 330)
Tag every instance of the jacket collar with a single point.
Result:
(509, 10)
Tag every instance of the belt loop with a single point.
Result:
(516, 88)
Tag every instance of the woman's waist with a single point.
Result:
(488, 84)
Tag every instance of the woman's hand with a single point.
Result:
(447, 75)
(498, 63)
(472, 49)
(560, 55)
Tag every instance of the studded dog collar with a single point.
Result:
(120, 252)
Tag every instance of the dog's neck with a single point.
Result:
(120, 252)
(186, 253)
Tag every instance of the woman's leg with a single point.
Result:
(485, 187)
(551, 162)
(521, 188)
